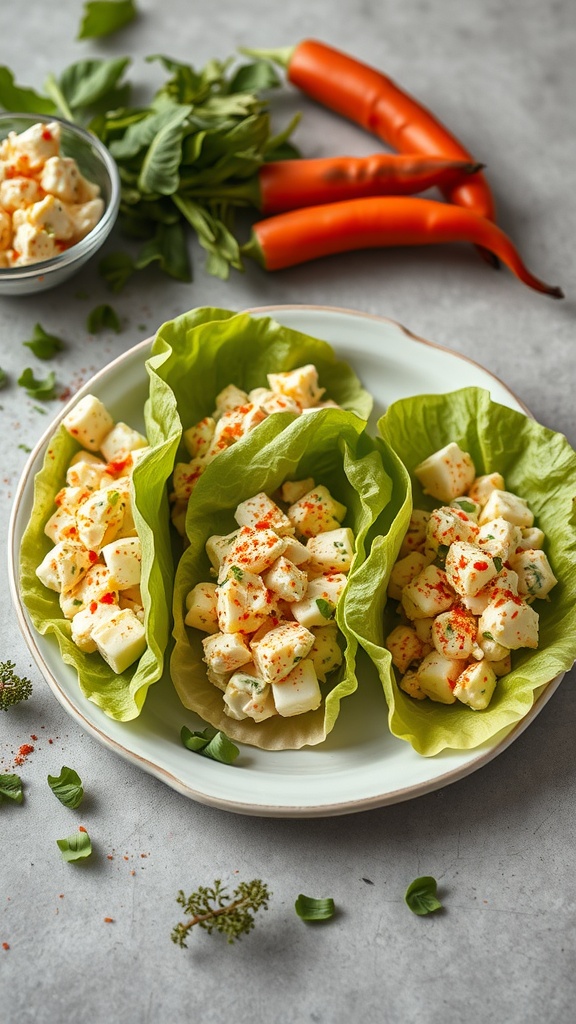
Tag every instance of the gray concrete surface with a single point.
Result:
(501, 842)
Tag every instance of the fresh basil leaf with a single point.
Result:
(41, 389)
(168, 249)
(75, 847)
(3, 378)
(254, 77)
(102, 318)
(103, 17)
(311, 909)
(160, 168)
(325, 608)
(210, 743)
(116, 269)
(421, 896)
(86, 82)
(11, 788)
(27, 101)
(67, 787)
(44, 345)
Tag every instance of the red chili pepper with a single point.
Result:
(371, 99)
(301, 235)
(290, 184)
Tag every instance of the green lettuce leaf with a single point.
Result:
(331, 446)
(120, 696)
(201, 352)
(540, 466)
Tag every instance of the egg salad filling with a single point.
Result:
(95, 561)
(466, 578)
(269, 611)
(46, 204)
(236, 413)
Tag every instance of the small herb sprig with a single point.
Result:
(212, 909)
(13, 688)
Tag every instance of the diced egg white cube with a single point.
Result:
(468, 568)
(286, 580)
(218, 546)
(404, 571)
(86, 621)
(201, 608)
(89, 422)
(429, 593)
(280, 650)
(436, 676)
(260, 512)
(332, 551)
(242, 602)
(298, 692)
(446, 525)
(124, 560)
(252, 551)
(415, 536)
(482, 487)
(509, 506)
(64, 565)
(319, 603)
(121, 440)
(185, 477)
(85, 471)
(535, 576)
(510, 622)
(454, 633)
(475, 685)
(292, 490)
(225, 652)
(100, 517)
(120, 640)
(447, 473)
(300, 384)
(199, 437)
(409, 684)
(499, 538)
(96, 587)
(316, 512)
(230, 398)
(531, 537)
(465, 503)
(325, 653)
(405, 647)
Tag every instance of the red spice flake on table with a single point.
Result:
(33, 737)
(23, 752)
(5, 945)
(109, 920)
(81, 828)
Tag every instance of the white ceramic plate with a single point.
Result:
(360, 765)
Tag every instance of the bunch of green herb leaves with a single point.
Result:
(187, 159)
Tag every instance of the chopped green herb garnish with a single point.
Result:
(67, 787)
(237, 572)
(311, 909)
(466, 506)
(42, 344)
(102, 318)
(210, 743)
(75, 847)
(421, 896)
(325, 608)
(488, 636)
(104, 17)
(116, 269)
(497, 563)
(213, 910)
(3, 378)
(41, 389)
(11, 788)
(24, 448)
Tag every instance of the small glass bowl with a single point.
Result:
(98, 166)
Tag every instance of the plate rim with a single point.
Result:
(337, 808)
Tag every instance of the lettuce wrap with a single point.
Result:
(540, 466)
(121, 696)
(204, 350)
(331, 446)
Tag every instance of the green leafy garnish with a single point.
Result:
(40, 389)
(311, 909)
(67, 787)
(102, 318)
(325, 608)
(116, 269)
(13, 688)
(75, 847)
(11, 788)
(421, 896)
(210, 743)
(212, 909)
(497, 563)
(3, 378)
(466, 506)
(44, 345)
(103, 17)
(488, 636)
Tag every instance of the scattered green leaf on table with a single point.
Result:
(14, 97)
(11, 788)
(421, 896)
(3, 378)
(210, 743)
(75, 847)
(311, 909)
(41, 389)
(116, 269)
(102, 318)
(104, 17)
(67, 787)
(44, 345)
(13, 688)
